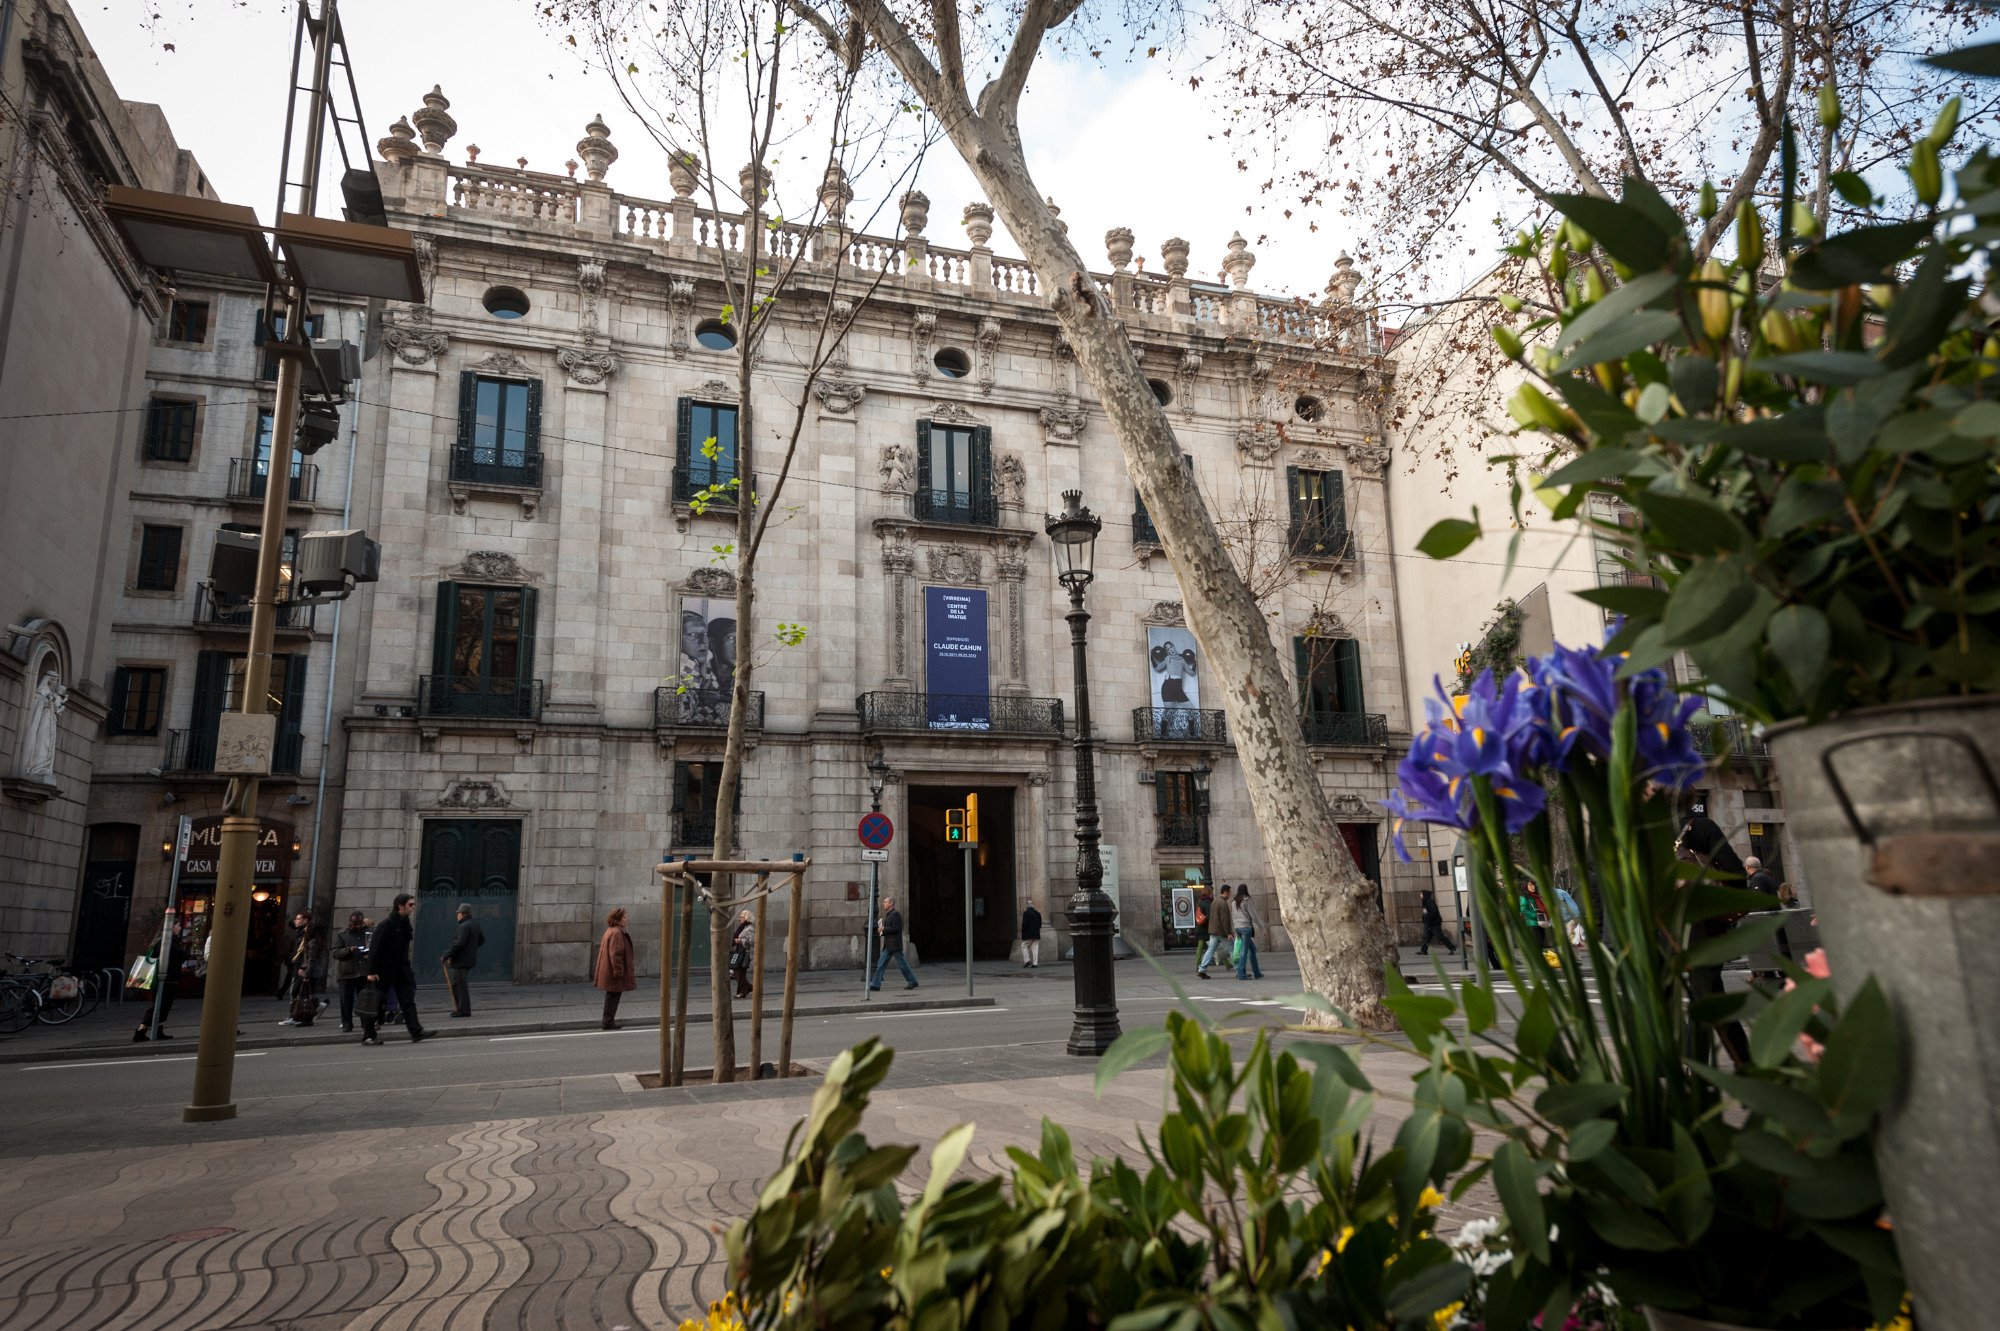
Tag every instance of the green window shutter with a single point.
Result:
(1295, 499)
(984, 507)
(292, 705)
(1302, 663)
(211, 691)
(680, 788)
(468, 410)
(534, 415)
(121, 683)
(684, 453)
(447, 628)
(1336, 513)
(923, 464)
(525, 676)
(1347, 670)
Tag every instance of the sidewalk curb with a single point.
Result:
(440, 1030)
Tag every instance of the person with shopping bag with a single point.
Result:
(156, 971)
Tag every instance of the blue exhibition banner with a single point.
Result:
(955, 676)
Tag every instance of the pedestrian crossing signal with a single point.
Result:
(954, 826)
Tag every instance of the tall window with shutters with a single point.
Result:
(955, 474)
(499, 431)
(218, 687)
(1332, 707)
(170, 429)
(138, 694)
(483, 659)
(1175, 808)
(705, 453)
(1318, 514)
(159, 567)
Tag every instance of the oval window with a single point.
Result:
(952, 363)
(716, 335)
(1161, 393)
(1309, 409)
(506, 302)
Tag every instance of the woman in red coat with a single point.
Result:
(617, 971)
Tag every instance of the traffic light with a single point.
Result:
(954, 826)
(972, 820)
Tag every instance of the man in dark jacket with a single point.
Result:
(1031, 936)
(1433, 925)
(1217, 909)
(350, 964)
(890, 927)
(389, 967)
(460, 958)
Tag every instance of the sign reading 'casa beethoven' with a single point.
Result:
(204, 852)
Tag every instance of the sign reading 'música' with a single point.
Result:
(955, 662)
(204, 852)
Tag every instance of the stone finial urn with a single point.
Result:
(1174, 253)
(1345, 280)
(596, 149)
(1118, 247)
(1238, 262)
(978, 223)
(916, 212)
(684, 171)
(754, 186)
(401, 144)
(835, 193)
(433, 122)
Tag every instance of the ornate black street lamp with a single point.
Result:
(1201, 774)
(1091, 914)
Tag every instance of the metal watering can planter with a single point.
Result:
(1896, 814)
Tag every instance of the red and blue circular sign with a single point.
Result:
(875, 830)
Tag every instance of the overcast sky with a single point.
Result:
(1115, 144)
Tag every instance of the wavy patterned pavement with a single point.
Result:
(564, 1221)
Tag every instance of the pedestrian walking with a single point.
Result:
(1572, 916)
(300, 921)
(350, 964)
(1244, 918)
(166, 971)
(890, 927)
(1031, 936)
(1759, 879)
(1217, 919)
(307, 967)
(742, 949)
(460, 958)
(1433, 925)
(617, 972)
(389, 969)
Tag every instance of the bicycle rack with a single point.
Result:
(115, 976)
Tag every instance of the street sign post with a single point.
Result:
(875, 831)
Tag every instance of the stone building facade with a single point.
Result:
(531, 725)
(77, 314)
(200, 451)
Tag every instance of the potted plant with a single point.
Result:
(1807, 431)
(1631, 1155)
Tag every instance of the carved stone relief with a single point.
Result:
(412, 338)
(502, 362)
(1324, 623)
(842, 327)
(1257, 445)
(710, 581)
(989, 354)
(491, 566)
(897, 555)
(470, 794)
(1013, 558)
(1010, 479)
(951, 414)
(587, 368)
(680, 304)
(895, 469)
(719, 390)
(955, 564)
(1166, 614)
(1368, 458)
(1065, 370)
(923, 331)
(1062, 425)
(1190, 366)
(839, 398)
(1352, 808)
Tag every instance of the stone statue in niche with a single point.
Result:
(38, 741)
(1011, 479)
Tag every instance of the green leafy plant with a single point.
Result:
(1806, 431)
(1260, 1206)
(1499, 645)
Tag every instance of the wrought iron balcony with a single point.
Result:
(696, 827)
(212, 611)
(1727, 737)
(474, 465)
(1367, 728)
(247, 480)
(1179, 829)
(192, 752)
(990, 713)
(1188, 725)
(463, 695)
(702, 709)
(1328, 539)
(1143, 531)
(968, 510)
(713, 481)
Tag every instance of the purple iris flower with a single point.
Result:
(1577, 695)
(1492, 732)
(1667, 753)
(1425, 793)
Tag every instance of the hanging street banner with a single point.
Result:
(955, 661)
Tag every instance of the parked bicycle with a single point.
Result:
(43, 992)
